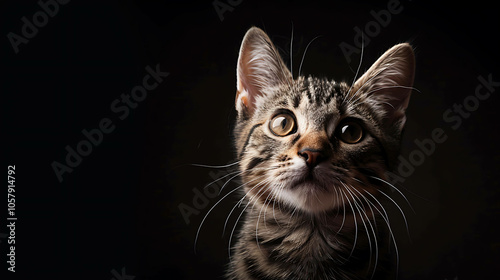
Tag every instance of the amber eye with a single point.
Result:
(282, 124)
(350, 132)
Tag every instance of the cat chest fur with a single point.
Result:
(302, 248)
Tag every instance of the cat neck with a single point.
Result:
(280, 228)
(298, 243)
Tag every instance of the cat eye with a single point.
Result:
(282, 124)
(350, 132)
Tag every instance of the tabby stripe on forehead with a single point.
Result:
(328, 98)
(248, 138)
(309, 96)
(330, 95)
(306, 83)
(336, 87)
(308, 90)
(317, 96)
(296, 100)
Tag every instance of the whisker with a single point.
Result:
(281, 189)
(218, 179)
(355, 225)
(209, 211)
(291, 215)
(239, 216)
(343, 208)
(392, 186)
(386, 219)
(361, 211)
(258, 217)
(379, 71)
(214, 166)
(291, 52)
(274, 199)
(337, 202)
(239, 201)
(304, 55)
(272, 195)
(373, 228)
(234, 228)
(232, 173)
(354, 104)
(369, 205)
(400, 210)
(359, 66)
(227, 182)
(255, 198)
(204, 218)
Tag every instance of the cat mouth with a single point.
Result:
(319, 178)
(311, 179)
(311, 191)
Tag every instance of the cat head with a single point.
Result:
(310, 142)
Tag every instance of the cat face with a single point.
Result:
(310, 143)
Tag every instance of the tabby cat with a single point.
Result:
(313, 154)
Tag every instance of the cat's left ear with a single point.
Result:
(389, 82)
(260, 68)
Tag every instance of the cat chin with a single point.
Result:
(309, 198)
(312, 191)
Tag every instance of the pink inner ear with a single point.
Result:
(246, 88)
(259, 67)
(244, 100)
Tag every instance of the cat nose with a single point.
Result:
(312, 156)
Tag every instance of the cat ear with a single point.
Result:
(388, 83)
(260, 68)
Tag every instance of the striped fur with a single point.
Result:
(323, 221)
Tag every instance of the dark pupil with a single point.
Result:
(283, 123)
(350, 133)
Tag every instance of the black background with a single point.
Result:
(119, 207)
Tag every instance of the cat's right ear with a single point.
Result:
(388, 84)
(259, 69)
